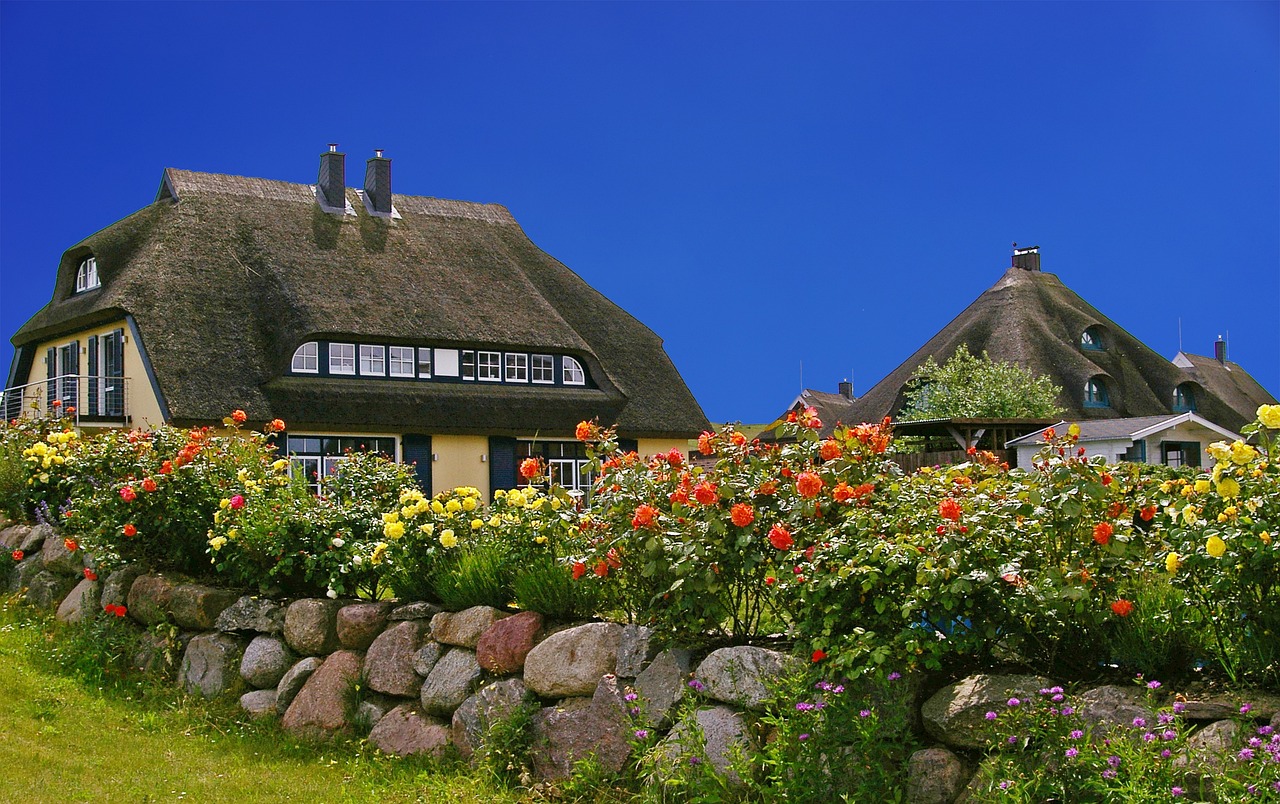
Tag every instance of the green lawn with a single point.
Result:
(64, 741)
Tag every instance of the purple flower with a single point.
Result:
(1058, 697)
(865, 713)
(1076, 734)
(1072, 752)
(1166, 753)
(803, 737)
(1109, 773)
(1013, 739)
(1148, 737)
(1014, 702)
(1179, 707)
(1153, 685)
(695, 760)
(635, 710)
(992, 716)
(1068, 710)
(642, 733)
(804, 707)
(894, 676)
(1006, 784)
(1265, 730)
(1139, 723)
(1113, 761)
(1165, 718)
(1169, 734)
(837, 689)
(1254, 742)
(696, 685)
(1245, 754)
(1244, 710)
(630, 696)
(1177, 791)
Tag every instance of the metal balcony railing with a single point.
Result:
(84, 399)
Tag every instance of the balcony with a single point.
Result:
(85, 400)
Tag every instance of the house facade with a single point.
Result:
(1180, 439)
(431, 330)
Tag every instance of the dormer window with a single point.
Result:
(1184, 398)
(307, 359)
(1096, 394)
(573, 373)
(87, 275)
(1092, 339)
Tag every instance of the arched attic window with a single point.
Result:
(307, 358)
(1093, 339)
(87, 275)
(1096, 393)
(573, 373)
(1184, 398)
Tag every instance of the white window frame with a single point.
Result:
(542, 370)
(371, 355)
(573, 372)
(516, 367)
(306, 359)
(403, 356)
(468, 365)
(489, 366)
(342, 358)
(424, 361)
(87, 275)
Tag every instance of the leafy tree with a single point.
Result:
(978, 387)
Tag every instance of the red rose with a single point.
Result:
(1049, 434)
(1102, 532)
(529, 468)
(237, 502)
(130, 530)
(602, 568)
(949, 509)
(1106, 479)
(644, 516)
(706, 443)
(1147, 513)
(276, 426)
(128, 494)
(766, 488)
(70, 544)
(770, 581)
(90, 574)
(166, 467)
(121, 611)
(675, 457)
(148, 484)
(742, 515)
(818, 655)
(808, 485)
(738, 439)
(579, 569)
(57, 403)
(780, 538)
(584, 431)
(238, 416)
(18, 555)
(829, 450)
(1122, 608)
(705, 493)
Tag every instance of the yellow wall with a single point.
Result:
(648, 447)
(140, 402)
(460, 463)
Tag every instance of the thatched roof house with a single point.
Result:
(348, 313)
(1031, 318)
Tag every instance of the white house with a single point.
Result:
(1178, 439)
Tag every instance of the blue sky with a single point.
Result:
(766, 186)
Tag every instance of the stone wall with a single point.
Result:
(419, 680)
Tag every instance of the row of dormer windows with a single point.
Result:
(1097, 394)
(334, 358)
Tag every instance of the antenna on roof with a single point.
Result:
(1179, 333)
(802, 375)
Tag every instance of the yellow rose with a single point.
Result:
(469, 504)
(499, 494)
(556, 504)
(217, 543)
(280, 465)
(476, 524)
(1219, 450)
(437, 506)
(379, 552)
(1215, 547)
(233, 534)
(447, 539)
(1269, 415)
(1202, 486)
(1189, 515)
(1242, 453)
(541, 539)
(494, 521)
(1265, 536)
(393, 530)
(390, 516)
(1171, 563)
(428, 528)
(453, 506)
(1073, 430)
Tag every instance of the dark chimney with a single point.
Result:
(333, 178)
(377, 183)
(1028, 259)
(846, 390)
(1220, 350)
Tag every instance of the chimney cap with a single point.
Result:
(377, 152)
(333, 147)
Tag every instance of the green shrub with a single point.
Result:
(546, 585)
(477, 575)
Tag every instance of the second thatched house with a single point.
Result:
(431, 330)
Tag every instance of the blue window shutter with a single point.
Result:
(416, 449)
(628, 445)
(1192, 453)
(114, 358)
(94, 384)
(502, 463)
(51, 387)
(71, 387)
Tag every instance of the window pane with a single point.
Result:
(372, 360)
(424, 362)
(307, 358)
(446, 362)
(544, 368)
(342, 358)
(573, 374)
(517, 368)
(402, 360)
(489, 367)
(468, 365)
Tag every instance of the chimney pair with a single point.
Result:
(377, 181)
(1028, 259)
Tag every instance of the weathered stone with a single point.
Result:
(1113, 706)
(741, 675)
(149, 598)
(388, 666)
(662, 685)
(406, 731)
(320, 709)
(491, 704)
(1212, 745)
(311, 626)
(211, 664)
(636, 649)
(724, 734)
(266, 660)
(372, 709)
(503, 646)
(259, 703)
(1208, 710)
(35, 538)
(61, 560)
(570, 663)
(426, 658)
(956, 714)
(197, 607)
(464, 627)
(29, 567)
(1262, 706)
(360, 623)
(414, 611)
(115, 589)
(580, 727)
(449, 682)
(12, 536)
(935, 776)
(252, 615)
(82, 602)
(46, 590)
(160, 654)
(294, 678)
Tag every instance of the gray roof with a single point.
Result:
(226, 276)
(1031, 318)
(1105, 429)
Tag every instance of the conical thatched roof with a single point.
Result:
(226, 276)
(1031, 318)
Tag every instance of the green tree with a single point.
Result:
(978, 387)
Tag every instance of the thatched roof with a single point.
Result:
(227, 275)
(1229, 382)
(832, 409)
(1031, 318)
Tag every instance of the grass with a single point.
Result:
(138, 741)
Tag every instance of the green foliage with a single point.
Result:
(546, 586)
(476, 575)
(966, 386)
(507, 744)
